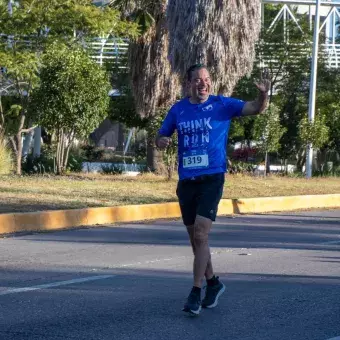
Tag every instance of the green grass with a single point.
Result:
(35, 193)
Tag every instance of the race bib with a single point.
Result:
(195, 159)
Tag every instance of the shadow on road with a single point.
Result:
(259, 231)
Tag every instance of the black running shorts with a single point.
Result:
(200, 196)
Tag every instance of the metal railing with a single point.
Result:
(302, 2)
(330, 53)
(333, 53)
(115, 51)
(110, 50)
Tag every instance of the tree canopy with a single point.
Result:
(72, 98)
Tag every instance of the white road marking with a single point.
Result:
(331, 242)
(136, 264)
(99, 277)
(337, 338)
(55, 284)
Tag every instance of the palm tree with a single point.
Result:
(154, 85)
(218, 33)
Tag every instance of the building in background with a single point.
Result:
(109, 135)
(101, 2)
(332, 26)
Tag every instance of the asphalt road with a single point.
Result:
(282, 273)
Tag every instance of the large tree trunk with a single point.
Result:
(153, 156)
(219, 34)
(154, 86)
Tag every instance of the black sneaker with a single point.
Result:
(212, 295)
(193, 304)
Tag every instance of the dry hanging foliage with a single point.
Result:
(153, 83)
(218, 33)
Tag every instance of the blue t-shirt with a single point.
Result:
(202, 133)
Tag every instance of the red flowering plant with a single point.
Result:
(244, 154)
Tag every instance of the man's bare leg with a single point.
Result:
(209, 272)
(202, 261)
(203, 267)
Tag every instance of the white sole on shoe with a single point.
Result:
(192, 312)
(217, 297)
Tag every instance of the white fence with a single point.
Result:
(333, 52)
(109, 49)
(115, 51)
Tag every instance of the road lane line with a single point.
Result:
(55, 284)
(331, 242)
(100, 277)
(141, 263)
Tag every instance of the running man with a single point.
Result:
(202, 122)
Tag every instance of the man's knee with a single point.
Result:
(201, 231)
(200, 239)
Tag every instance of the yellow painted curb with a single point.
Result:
(61, 219)
(226, 207)
(49, 220)
(132, 213)
(269, 204)
(7, 223)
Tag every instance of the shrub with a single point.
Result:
(111, 169)
(76, 159)
(40, 165)
(75, 163)
(238, 167)
(92, 153)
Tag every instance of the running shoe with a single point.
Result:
(212, 294)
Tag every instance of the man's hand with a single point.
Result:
(259, 105)
(162, 142)
(264, 84)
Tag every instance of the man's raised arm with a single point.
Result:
(260, 104)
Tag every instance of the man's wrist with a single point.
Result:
(264, 93)
(263, 97)
(156, 141)
(262, 101)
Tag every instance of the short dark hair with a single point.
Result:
(194, 68)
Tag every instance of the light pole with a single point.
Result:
(312, 91)
(10, 9)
